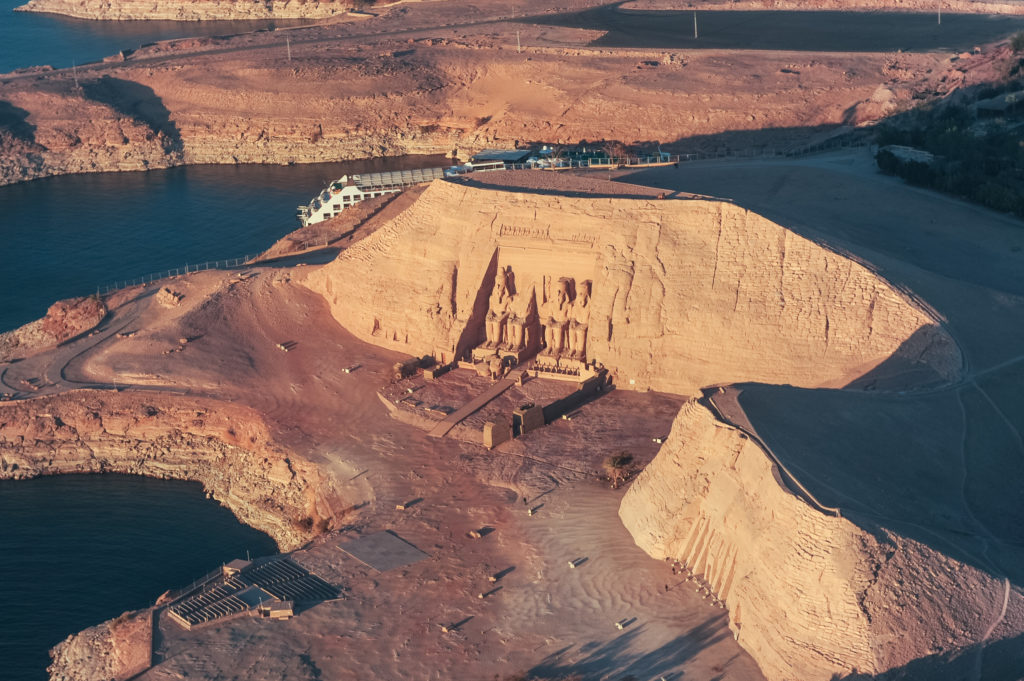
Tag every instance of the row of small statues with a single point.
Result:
(564, 319)
(556, 369)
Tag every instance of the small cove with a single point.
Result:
(76, 550)
(31, 39)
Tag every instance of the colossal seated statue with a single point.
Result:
(580, 322)
(522, 316)
(498, 310)
(555, 317)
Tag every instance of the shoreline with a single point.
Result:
(202, 10)
(173, 437)
(320, 10)
(329, 94)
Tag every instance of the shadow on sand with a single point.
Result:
(619, 658)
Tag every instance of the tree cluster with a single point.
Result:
(978, 160)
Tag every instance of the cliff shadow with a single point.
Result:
(136, 101)
(940, 467)
(15, 120)
(1000, 661)
(320, 256)
(927, 358)
(473, 333)
(625, 655)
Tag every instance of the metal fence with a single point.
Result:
(184, 269)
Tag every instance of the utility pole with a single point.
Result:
(519, 45)
(288, 43)
(694, 24)
(74, 73)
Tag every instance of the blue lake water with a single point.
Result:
(818, 31)
(31, 39)
(77, 550)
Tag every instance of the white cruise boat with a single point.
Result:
(351, 189)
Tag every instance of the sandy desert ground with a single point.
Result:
(542, 617)
(246, 380)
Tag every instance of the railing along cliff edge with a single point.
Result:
(789, 478)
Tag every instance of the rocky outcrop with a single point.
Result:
(64, 320)
(191, 10)
(110, 125)
(112, 651)
(226, 447)
(242, 99)
(810, 596)
(81, 134)
(686, 292)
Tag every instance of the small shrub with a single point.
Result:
(887, 162)
(617, 468)
(1017, 42)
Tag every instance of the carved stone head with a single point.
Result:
(562, 290)
(583, 293)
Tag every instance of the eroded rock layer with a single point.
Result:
(225, 447)
(115, 650)
(193, 10)
(327, 96)
(686, 292)
(810, 596)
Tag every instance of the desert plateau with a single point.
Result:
(699, 358)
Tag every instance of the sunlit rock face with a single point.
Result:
(685, 293)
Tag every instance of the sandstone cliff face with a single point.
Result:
(81, 135)
(193, 10)
(225, 447)
(686, 293)
(112, 651)
(809, 595)
(242, 100)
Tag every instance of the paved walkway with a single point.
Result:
(442, 428)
